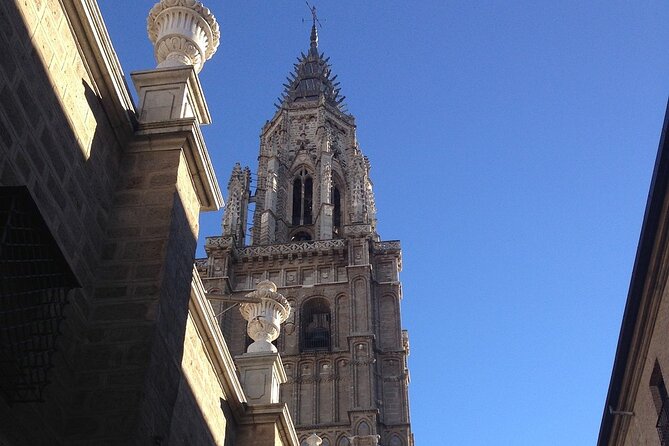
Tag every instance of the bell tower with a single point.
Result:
(313, 234)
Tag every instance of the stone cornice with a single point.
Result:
(386, 247)
(185, 134)
(276, 414)
(98, 55)
(215, 346)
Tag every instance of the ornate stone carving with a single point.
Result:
(201, 265)
(314, 440)
(391, 245)
(291, 248)
(219, 242)
(265, 317)
(183, 32)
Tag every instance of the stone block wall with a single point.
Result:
(642, 426)
(56, 139)
(201, 414)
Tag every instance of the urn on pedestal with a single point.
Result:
(184, 32)
(265, 317)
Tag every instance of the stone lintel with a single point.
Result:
(262, 423)
(261, 374)
(171, 93)
(183, 134)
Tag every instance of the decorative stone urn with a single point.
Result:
(265, 318)
(314, 440)
(183, 32)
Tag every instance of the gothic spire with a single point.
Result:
(313, 49)
(312, 79)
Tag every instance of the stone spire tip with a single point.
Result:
(314, 29)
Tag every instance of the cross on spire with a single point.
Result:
(314, 31)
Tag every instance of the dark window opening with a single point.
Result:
(301, 236)
(308, 197)
(659, 392)
(303, 187)
(316, 325)
(297, 201)
(336, 213)
(34, 283)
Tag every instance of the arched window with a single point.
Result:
(315, 325)
(303, 187)
(336, 212)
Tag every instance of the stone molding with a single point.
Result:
(183, 134)
(216, 347)
(293, 248)
(276, 415)
(280, 249)
(390, 245)
(104, 66)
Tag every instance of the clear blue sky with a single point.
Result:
(512, 146)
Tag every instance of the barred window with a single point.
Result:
(34, 283)
(315, 322)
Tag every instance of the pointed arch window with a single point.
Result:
(303, 191)
(315, 325)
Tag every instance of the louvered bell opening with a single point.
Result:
(34, 283)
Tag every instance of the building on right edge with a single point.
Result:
(313, 234)
(637, 405)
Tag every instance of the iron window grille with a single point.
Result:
(34, 283)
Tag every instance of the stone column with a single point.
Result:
(326, 207)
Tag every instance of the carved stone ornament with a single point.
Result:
(314, 440)
(183, 32)
(264, 318)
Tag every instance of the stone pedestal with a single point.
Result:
(167, 94)
(261, 374)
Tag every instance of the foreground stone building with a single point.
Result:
(107, 334)
(637, 405)
(313, 233)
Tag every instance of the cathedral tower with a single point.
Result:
(313, 234)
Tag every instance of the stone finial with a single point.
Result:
(265, 317)
(314, 440)
(183, 32)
